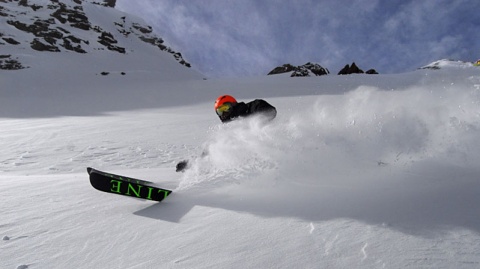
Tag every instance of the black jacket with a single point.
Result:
(255, 107)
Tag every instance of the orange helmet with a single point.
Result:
(224, 99)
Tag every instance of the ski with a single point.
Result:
(127, 186)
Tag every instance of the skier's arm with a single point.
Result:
(260, 106)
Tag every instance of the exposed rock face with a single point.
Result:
(305, 70)
(63, 25)
(350, 69)
(354, 69)
(109, 41)
(282, 69)
(8, 63)
(109, 3)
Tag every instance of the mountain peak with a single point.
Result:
(448, 63)
(64, 27)
(305, 70)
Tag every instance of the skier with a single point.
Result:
(228, 109)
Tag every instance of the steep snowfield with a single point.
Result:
(356, 171)
(141, 59)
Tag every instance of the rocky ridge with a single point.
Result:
(307, 70)
(65, 26)
(354, 69)
(313, 69)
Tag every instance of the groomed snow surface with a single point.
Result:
(358, 171)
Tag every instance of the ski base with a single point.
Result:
(126, 186)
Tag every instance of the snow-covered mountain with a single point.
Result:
(357, 171)
(448, 64)
(93, 31)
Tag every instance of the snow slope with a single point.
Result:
(356, 171)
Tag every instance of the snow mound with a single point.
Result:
(448, 64)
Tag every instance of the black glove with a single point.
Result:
(182, 166)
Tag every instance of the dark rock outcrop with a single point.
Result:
(38, 45)
(282, 69)
(305, 70)
(109, 3)
(108, 41)
(75, 17)
(350, 69)
(11, 41)
(8, 63)
(354, 69)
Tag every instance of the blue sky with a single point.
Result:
(232, 38)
